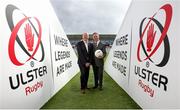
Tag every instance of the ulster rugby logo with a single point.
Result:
(26, 34)
(148, 35)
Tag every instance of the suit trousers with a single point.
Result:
(98, 75)
(84, 76)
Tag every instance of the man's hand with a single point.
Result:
(100, 57)
(87, 64)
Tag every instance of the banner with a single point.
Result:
(29, 58)
(118, 60)
(64, 59)
(153, 70)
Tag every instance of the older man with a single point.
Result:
(84, 49)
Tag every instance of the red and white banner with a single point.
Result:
(28, 30)
(152, 78)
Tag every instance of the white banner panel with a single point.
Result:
(154, 62)
(29, 56)
(64, 59)
(26, 67)
(118, 60)
(153, 26)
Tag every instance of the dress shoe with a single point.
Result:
(94, 87)
(83, 91)
(87, 88)
(100, 88)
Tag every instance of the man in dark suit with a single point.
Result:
(98, 62)
(84, 50)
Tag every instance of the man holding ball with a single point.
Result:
(99, 52)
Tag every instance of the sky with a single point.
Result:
(102, 16)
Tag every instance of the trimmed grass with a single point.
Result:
(111, 97)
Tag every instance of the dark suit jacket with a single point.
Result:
(84, 56)
(99, 62)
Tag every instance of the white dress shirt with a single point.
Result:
(86, 45)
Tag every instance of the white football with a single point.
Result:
(98, 53)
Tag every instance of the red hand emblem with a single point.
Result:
(29, 37)
(150, 37)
